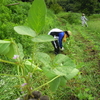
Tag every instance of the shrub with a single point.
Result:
(56, 8)
(70, 17)
(94, 16)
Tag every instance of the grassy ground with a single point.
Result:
(84, 48)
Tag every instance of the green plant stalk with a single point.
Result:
(47, 82)
(26, 79)
(18, 74)
(9, 75)
(34, 50)
(7, 62)
(33, 53)
(20, 66)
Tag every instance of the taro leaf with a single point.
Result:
(36, 16)
(44, 58)
(43, 38)
(24, 30)
(20, 49)
(4, 47)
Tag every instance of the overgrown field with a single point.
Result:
(83, 48)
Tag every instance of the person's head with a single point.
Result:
(68, 33)
(83, 14)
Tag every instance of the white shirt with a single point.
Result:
(55, 30)
(83, 18)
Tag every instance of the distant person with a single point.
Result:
(60, 36)
(84, 20)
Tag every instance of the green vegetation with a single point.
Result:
(27, 62)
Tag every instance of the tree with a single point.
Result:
(87, 6)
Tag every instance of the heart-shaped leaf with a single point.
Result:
(64, 67)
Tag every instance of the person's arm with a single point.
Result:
(61, 35)
(85, 18)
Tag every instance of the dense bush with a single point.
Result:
(11, 16)
(72, 18)
(93, 16)
(56, 8)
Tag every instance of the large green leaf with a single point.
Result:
(4, 47)
(71, 74)
(44, 58)
(24, 30)
(58, 81)
(64, 67)
(43, 38)
(49, 73)
(59, 60)
(12, 51)
(63, 60)
(63, 81)
(8, 48)
(55, 84)
(36, 16)
(66, 71)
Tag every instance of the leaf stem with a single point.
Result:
(47, 82)
(7, 61)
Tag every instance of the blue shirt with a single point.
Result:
(61, 35)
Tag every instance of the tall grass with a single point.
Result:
(94, 26)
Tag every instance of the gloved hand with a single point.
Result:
(62, 49)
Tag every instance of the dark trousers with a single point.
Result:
(56, 46)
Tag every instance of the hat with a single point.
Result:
(69, 32)
(83, 14)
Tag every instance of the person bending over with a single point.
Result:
(60, 36)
